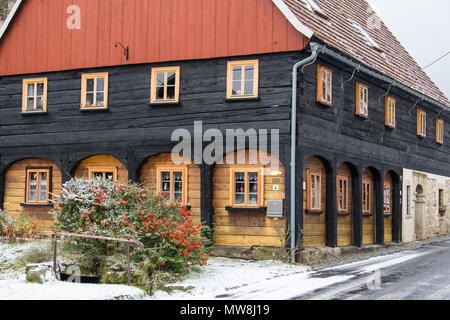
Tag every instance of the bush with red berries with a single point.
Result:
(171, 240)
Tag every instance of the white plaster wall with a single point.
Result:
(408, 222)
(435, 224)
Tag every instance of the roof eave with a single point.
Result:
(292, 18)
(12, 14)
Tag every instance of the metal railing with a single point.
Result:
(55, 236)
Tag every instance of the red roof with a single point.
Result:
(338, 32)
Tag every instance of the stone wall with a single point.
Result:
(423, 219)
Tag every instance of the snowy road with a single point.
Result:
(418, 274)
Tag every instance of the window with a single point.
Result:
(387, 198)
(408, 200)
(165, 87)
(172, 184)
(366, 35)
(440, 131)
(247, 187)
(242, 79)
(366, 196)
(314, 189)
(324, 85)
(342, 193)
(37, 186)
(34, 95)
(94, 91)
(421, 123)
(441, 198)
(362, 100)
(103, 173)
(390, 112)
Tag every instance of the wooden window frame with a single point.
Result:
(255, 65)
(368, 207)
(309, 174)
(29, 170)
(84, 78)
(421, 123)
(440, 131)
(92, 170)
(328, 88)
(390, 106)
(25, 84)
(184, 171)
(365, 97)
(247, 170)
(345, 202)
(389, 210)
(165, 70)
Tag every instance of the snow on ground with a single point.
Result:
(13, 285)
(8, 254)
(238, 279)
(222, 278)
(19, 289)
(266, 280)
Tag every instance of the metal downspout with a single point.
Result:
(311, 58)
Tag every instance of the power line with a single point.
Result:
(437, 60)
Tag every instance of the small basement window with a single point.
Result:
(34, 95)
(242, 79)
(421, 123)
(324, 85)
(365, 34)
(390, 112)
(440, 131)
(172, 184)
(37, 186)
(362, 100)
(104, 173)
(165, 87)
(247, 187)
(94, 91)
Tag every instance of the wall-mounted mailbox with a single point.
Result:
(275, 208)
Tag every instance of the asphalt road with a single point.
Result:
(420, 274)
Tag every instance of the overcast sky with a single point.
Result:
(423, 27)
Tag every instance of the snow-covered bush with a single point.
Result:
(21, 227)
(112, 209)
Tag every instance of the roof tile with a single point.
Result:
(338, 32)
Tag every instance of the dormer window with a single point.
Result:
(370, 40)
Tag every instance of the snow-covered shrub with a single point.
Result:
(6, 223)
(112, 209)
(21, 227)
